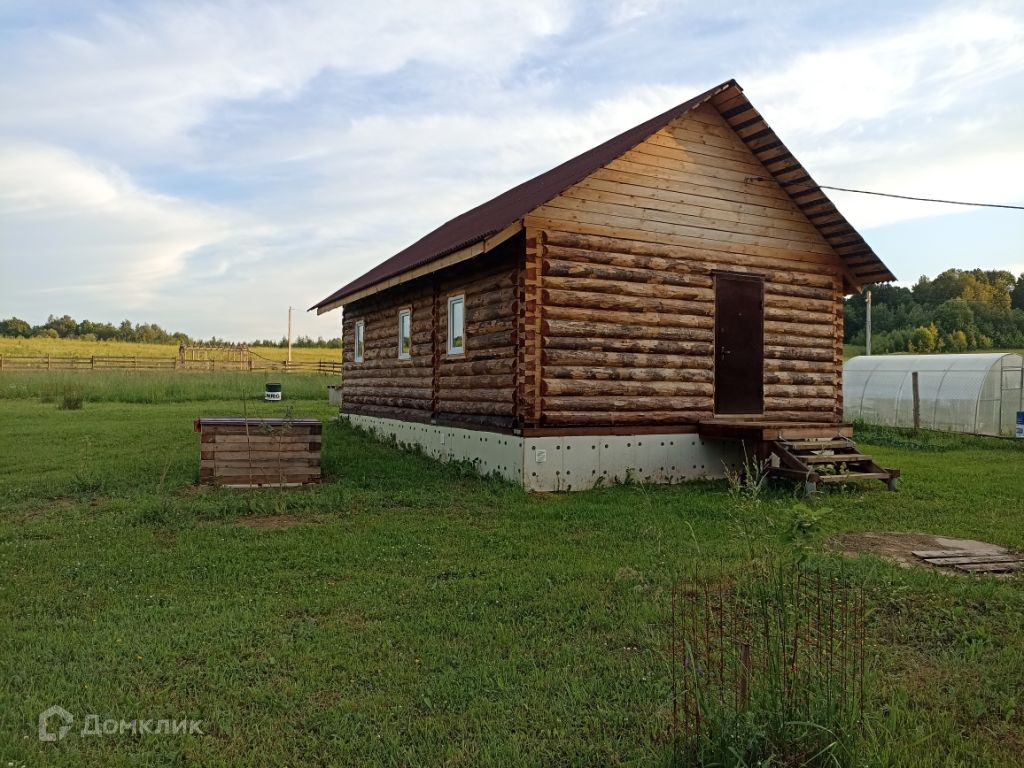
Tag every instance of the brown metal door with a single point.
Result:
(739, 344)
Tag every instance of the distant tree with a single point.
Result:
(64, 326)
(1017, 294)
(15, 326)
(924, 339)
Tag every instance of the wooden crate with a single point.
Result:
(259, 453)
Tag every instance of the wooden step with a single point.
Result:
(817, 445)
(853, 476)
(836, 458)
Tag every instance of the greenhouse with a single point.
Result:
(976, 393)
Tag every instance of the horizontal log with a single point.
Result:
(625, 285)
(793, 342)
(553, 329)
(622, 302)
(634, 388)
(596, 373)
(493, 394)
(478, 381)
(559, 357)
(488, 312)
(799, 391)
(474, 300)
(801, 329)
(615, 404)
(795, 377)
(820, 416)
(402, 414)
(773, 300)
(352, 389)
(804, 366)
(490, 408)
(355, 381)
(489, 340)
(623, 418)
(798, 404)
(808, 316)
(408, 403)
(778, 348)
(660, 320)
(695, 349)
(607, 259)
(456, 367)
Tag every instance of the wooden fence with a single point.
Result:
(106, 362)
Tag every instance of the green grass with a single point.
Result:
(413, 614)
(127, 386)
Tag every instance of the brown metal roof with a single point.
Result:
(505, 209)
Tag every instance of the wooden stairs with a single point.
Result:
(824, 461)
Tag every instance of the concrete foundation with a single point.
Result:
(566, 462)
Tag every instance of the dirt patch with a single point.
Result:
(273, 522)
(900, 547)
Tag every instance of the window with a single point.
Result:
(456, 325)
(404, 334)
(360, 341)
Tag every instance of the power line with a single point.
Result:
(925, 199)
(902, 197)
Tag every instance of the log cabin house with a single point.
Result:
(632, 313)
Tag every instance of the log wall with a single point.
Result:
(476, 387)
(623, 291)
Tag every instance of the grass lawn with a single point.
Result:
(409, 613)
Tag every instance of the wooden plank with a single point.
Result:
(928, 553)
(971, 560)
(854, 476)
(992, 567)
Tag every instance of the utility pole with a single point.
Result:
(867, 323)
(289, 334)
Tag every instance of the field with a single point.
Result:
(409, 613)
(77, 348)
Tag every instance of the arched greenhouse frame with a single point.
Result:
(973, 393)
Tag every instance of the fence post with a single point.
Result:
(47, 362)
(917, 400)
(1, 362)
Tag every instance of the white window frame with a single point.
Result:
(452, 301)
(402, 314)
(359, 341)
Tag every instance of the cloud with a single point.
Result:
(204, 165)
(78, 228)
(918, 110)
(139, 79)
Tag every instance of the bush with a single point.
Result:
(71, 401)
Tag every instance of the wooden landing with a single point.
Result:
(760, 430)
(990, 560)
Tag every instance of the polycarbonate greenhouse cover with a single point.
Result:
(975, 393)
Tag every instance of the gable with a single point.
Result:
(695, 129)
(695, 184)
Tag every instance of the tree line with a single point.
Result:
(958, 311)
(67, 327)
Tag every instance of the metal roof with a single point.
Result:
(495, 215)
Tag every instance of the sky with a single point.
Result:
(205, 166)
